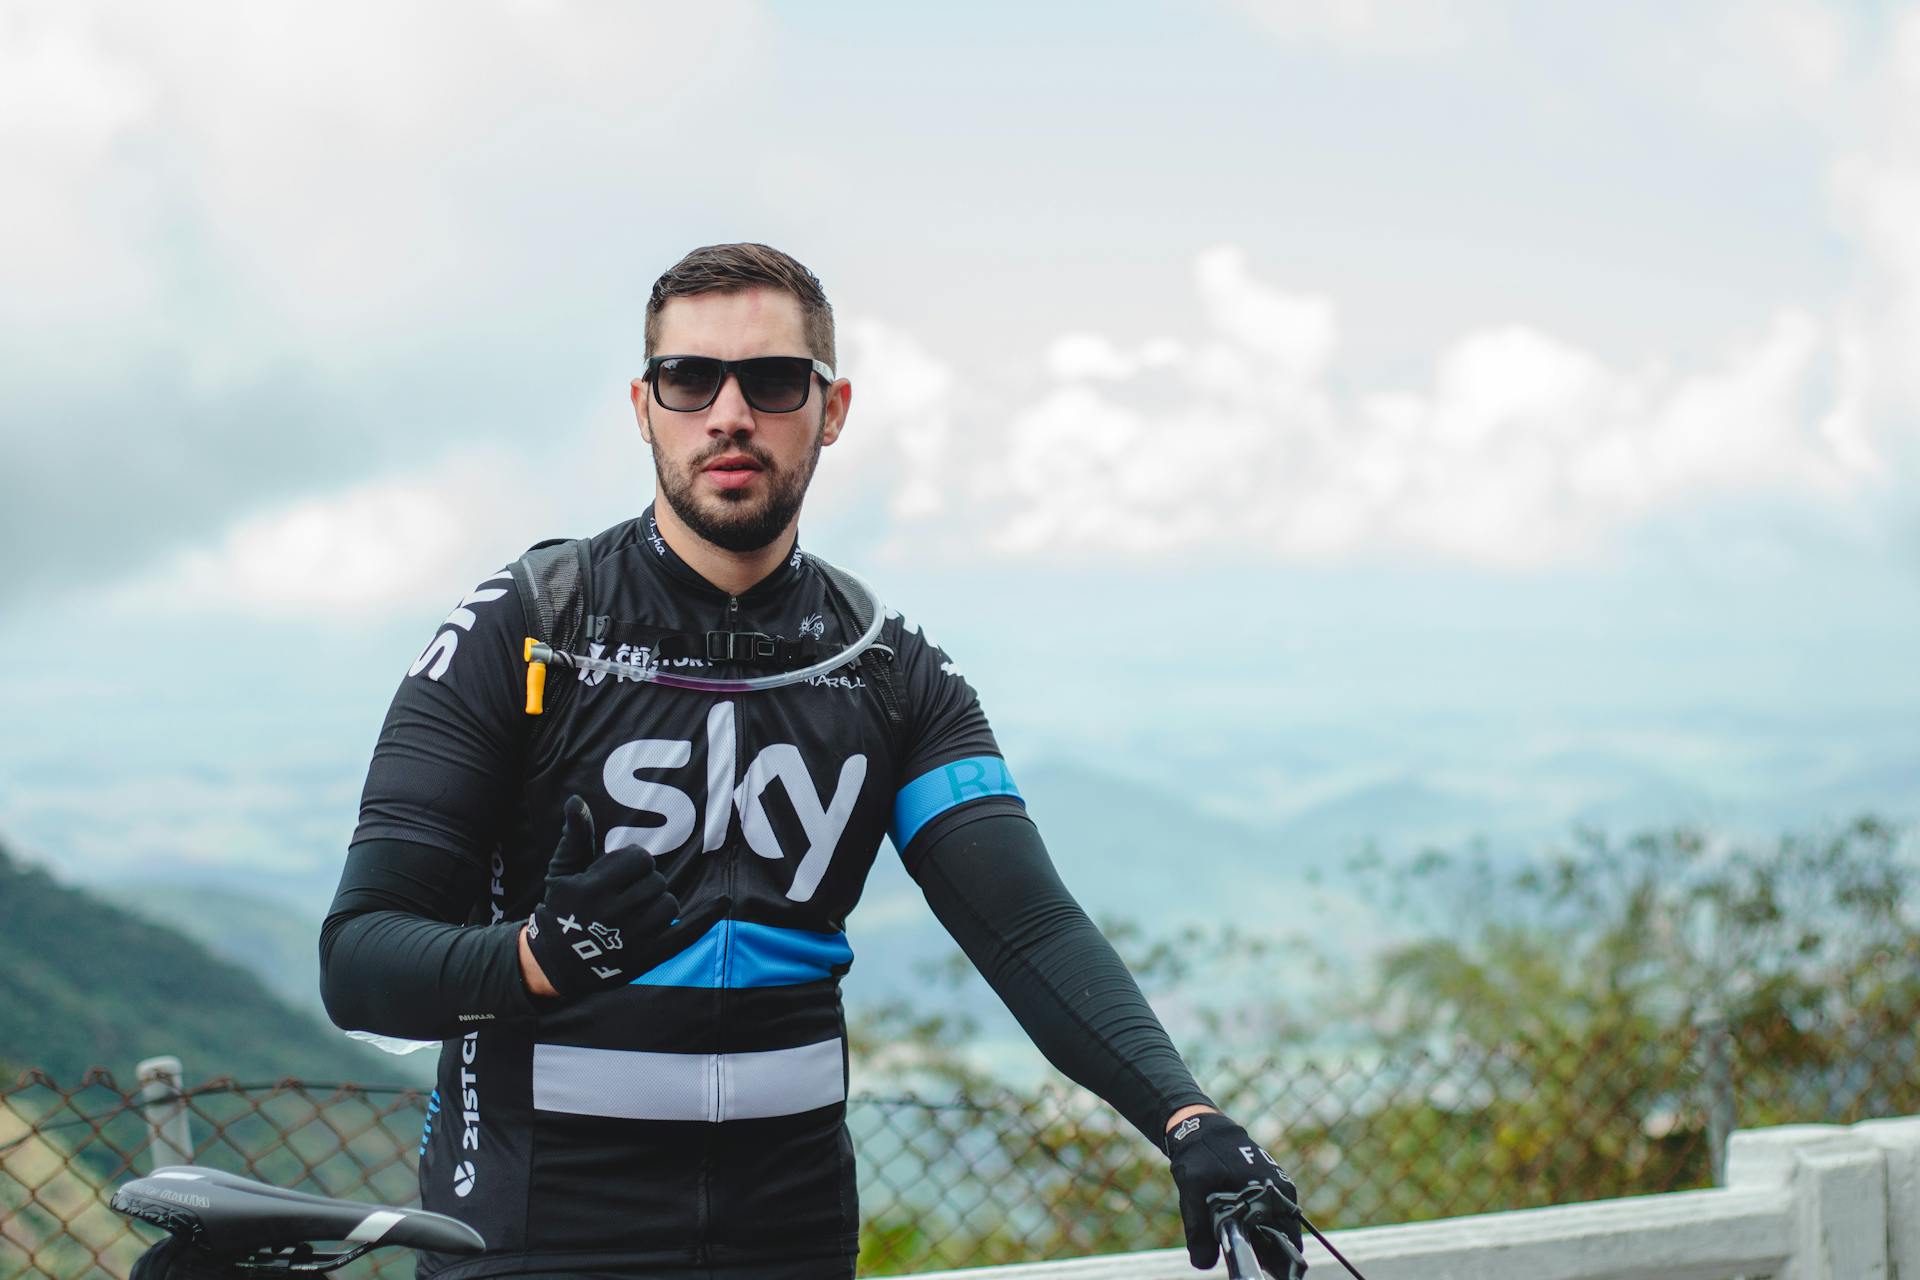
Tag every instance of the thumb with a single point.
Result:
(576, 848)
(1203, 1247)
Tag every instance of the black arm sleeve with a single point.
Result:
(392, 958)
(988, 878)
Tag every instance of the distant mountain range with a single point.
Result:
(88, 984)
(1198, 845)
(268, 934)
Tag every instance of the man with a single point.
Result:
(644, 1061)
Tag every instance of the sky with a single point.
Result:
(1358, 394)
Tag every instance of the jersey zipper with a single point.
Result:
(705, 1246)
(729, 873)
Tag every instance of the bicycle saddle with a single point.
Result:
(227, 1214)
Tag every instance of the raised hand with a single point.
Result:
(606, 919)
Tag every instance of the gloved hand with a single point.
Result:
(1212, 1154)
(176, 1258)
(607, 920)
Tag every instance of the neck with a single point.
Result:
(731, 571)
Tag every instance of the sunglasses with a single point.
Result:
(770, 384)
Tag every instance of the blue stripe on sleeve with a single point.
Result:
(951, 785)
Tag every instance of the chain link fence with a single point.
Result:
(1375, 1137)
(65, 1147)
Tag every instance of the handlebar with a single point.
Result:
(1241, 1262)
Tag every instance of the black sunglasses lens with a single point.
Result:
(686, 383)
(775, 384)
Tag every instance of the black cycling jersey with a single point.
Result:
(694, 1118)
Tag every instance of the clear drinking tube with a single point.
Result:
(652, 672)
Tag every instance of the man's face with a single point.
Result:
(733, 475)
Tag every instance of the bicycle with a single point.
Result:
(238, 1227)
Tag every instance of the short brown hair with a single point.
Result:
(729, 268)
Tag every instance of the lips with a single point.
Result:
(732, 471)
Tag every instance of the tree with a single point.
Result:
(1534, 1040)
(1583, 987)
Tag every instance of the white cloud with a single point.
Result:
(1875, 186)
(1793, 61)
(1524, 450)
(364, 551)
(1295, 334)
(1807, 43)
(905, 393)
(343, 171)
(1087, 355)
(892, 462)
(1366, 26)
(338, 170)
(245, 247)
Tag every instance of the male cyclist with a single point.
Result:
(644, 1067)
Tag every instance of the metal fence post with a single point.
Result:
(168, 1137)
(1715, 1047)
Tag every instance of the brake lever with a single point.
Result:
(1242, 1262)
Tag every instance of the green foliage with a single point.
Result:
(268, 936)
(1044, 1175)
(1581, 988)
(90, 985)
(1657, 935)
(1536, 1038)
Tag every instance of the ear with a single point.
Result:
(834, 416)
(642, 409)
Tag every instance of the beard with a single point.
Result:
(731, 519)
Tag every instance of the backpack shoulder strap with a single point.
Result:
(555, 582)
(555, 579)
(876, 663)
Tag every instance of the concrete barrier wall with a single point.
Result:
(1802, 1202)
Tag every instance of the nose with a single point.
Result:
(729, 414)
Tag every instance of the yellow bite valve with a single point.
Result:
(536, 680)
